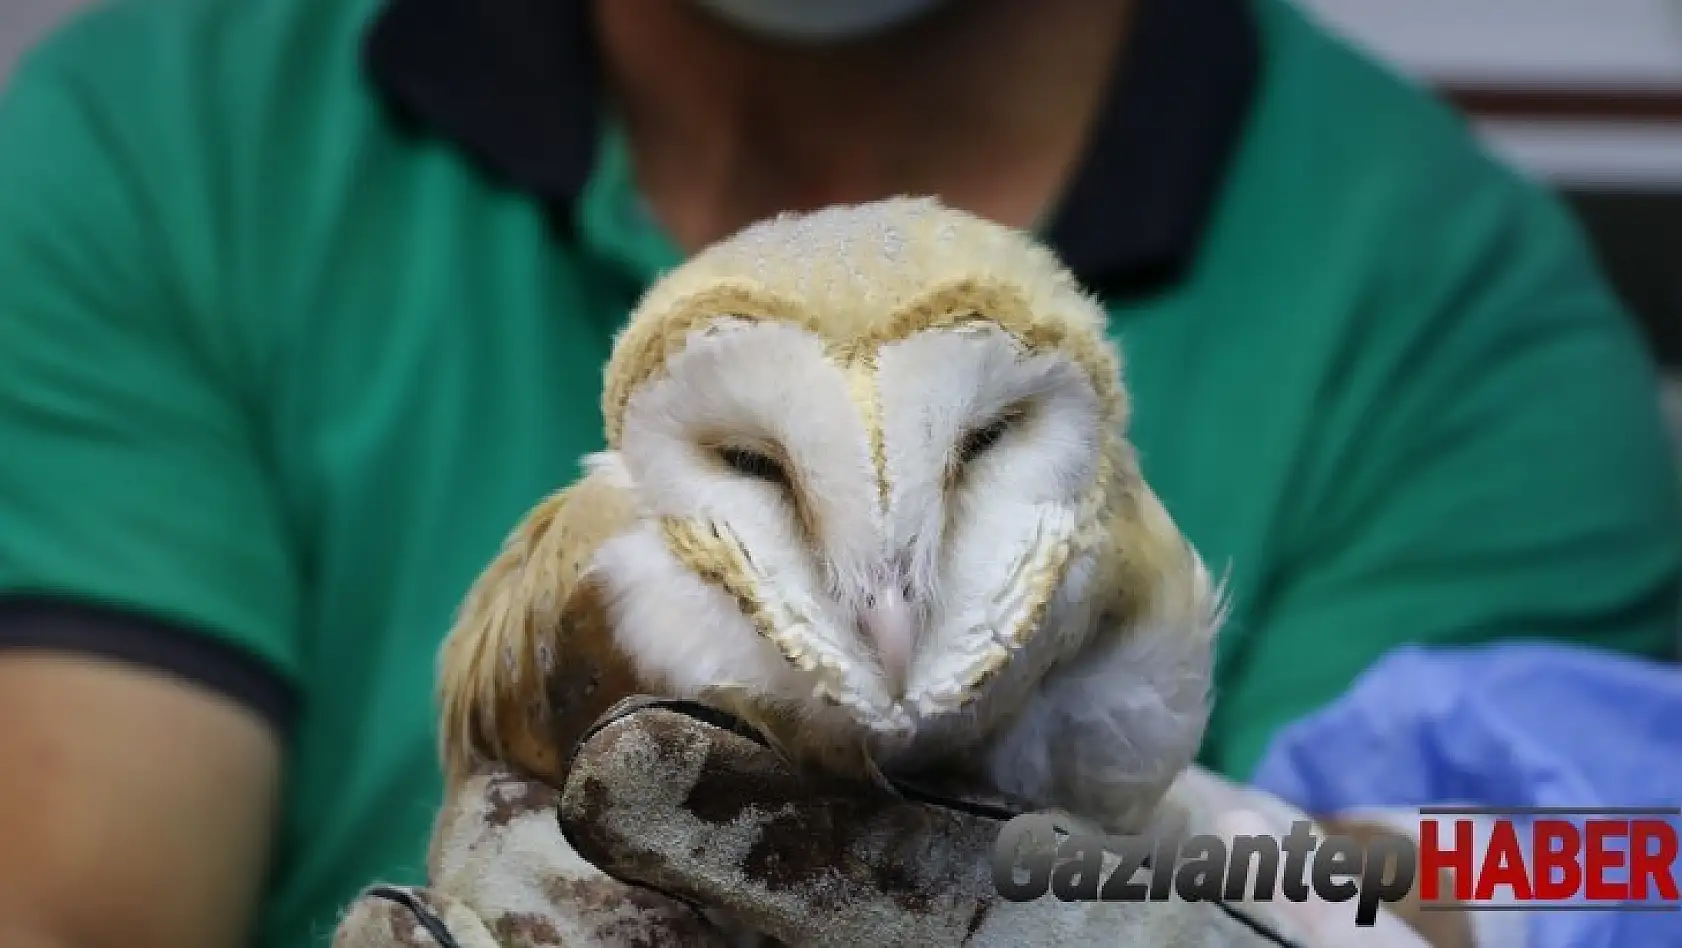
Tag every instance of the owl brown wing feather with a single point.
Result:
(532, 660)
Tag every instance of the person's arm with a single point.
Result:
(146, 591)
(135, 809)
(1492, 466)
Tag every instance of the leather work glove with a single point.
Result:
(671, 819)
(501, 875)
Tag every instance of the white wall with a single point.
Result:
(1626, 44)
(1623, 42)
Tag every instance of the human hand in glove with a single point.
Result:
(676, 829)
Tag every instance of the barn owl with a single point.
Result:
(867, 486)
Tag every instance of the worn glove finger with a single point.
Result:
(663, 798)
(1209, 803)
(1323, 924)
(503, 876)
(409, 917)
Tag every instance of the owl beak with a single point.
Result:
(889, 623)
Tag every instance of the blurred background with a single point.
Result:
(1584, 94)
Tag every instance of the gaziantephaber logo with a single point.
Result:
(1466, 859)
(1619, 860)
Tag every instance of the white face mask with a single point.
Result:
(816, 21)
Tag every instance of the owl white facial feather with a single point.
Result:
(868, 485)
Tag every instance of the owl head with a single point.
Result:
(877, 451)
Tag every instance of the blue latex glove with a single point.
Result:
(1506, 725)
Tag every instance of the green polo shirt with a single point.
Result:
(303, 303)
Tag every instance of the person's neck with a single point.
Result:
(986, 105)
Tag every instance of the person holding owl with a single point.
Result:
(305, 304)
